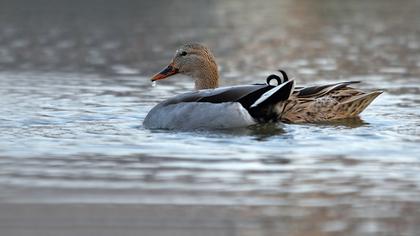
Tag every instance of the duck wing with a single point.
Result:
(218, 95)
(247, 95)
(318, 91)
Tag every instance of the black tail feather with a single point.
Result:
(262, 107)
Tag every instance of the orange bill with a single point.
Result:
(168, 71)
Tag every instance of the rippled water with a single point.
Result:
(73, 95)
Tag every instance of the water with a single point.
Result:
(74, 92)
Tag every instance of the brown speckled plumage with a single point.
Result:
(338, 103)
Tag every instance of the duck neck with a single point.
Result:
(207, 79)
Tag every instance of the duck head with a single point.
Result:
(194, 60)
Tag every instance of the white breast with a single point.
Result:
(198, 115)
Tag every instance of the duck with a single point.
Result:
(212, 107)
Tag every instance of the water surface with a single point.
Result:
(74, 92)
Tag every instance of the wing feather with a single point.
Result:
(317, 91)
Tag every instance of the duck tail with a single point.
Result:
(356, 105)
(264, 108)
(279, 93)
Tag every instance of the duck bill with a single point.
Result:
(165, 73)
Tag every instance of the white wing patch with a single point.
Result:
(270, 92)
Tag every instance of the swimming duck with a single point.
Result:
(238, 106)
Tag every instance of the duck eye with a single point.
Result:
(183, 53)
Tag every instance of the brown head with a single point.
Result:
(196, 61)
